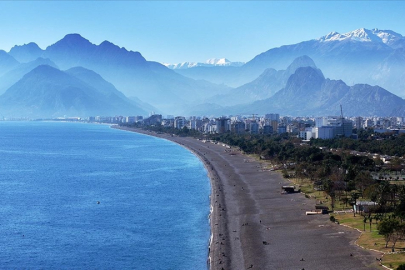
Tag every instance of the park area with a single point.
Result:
(380, 231)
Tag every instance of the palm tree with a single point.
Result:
(383, 190)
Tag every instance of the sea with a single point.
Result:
(87, 196)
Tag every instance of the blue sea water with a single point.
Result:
(153, 199)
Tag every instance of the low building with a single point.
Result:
(364, 206)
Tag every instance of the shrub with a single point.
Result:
(401, 267)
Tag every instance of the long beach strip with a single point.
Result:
(254, 226)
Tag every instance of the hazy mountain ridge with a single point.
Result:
(7, 62)
(74, 50)
(108, 89)
(26, 53)
(14, 75)
(308, 93)
(359, 56)
(48, 92)
(129, 71)
(266, 85)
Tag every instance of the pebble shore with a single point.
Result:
(254, 226)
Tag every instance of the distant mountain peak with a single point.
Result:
(107, 43)
(26, 53)
(43, 69)
(72, 40)
(110, 46)
(30, 46)
(73, 36)
(304, 74)
(209, 63)
(364, 35)
(302, 61)
(218, 61)
(49, 92)
(331, 36)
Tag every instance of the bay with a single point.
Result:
(86, 196)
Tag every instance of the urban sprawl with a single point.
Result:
(305, 127)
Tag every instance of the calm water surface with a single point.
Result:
(153, 199)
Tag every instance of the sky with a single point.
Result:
(194, 31)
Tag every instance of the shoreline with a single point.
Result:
(253, 226)
(216, 223)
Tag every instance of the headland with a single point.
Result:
(255, 226)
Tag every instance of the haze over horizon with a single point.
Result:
(193, 31)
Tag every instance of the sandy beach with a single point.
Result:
(254, 226)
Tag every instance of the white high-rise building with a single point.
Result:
(358, 122)
(325, 132)
(321, 121)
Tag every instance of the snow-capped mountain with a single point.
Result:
(209, 63)
(219, 62)
(183, 65)
(375, 57)
(387, 37)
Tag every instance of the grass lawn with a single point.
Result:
(372, 240)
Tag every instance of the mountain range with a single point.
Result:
(308, 93)
(129, 71)
(264, 86)
(376, 57)
(76, 77)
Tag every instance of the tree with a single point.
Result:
(363, 180)
(399, 233)
(387, 227)
(400, 208)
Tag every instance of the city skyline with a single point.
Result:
(179, 31)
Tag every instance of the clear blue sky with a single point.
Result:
(179, 31)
